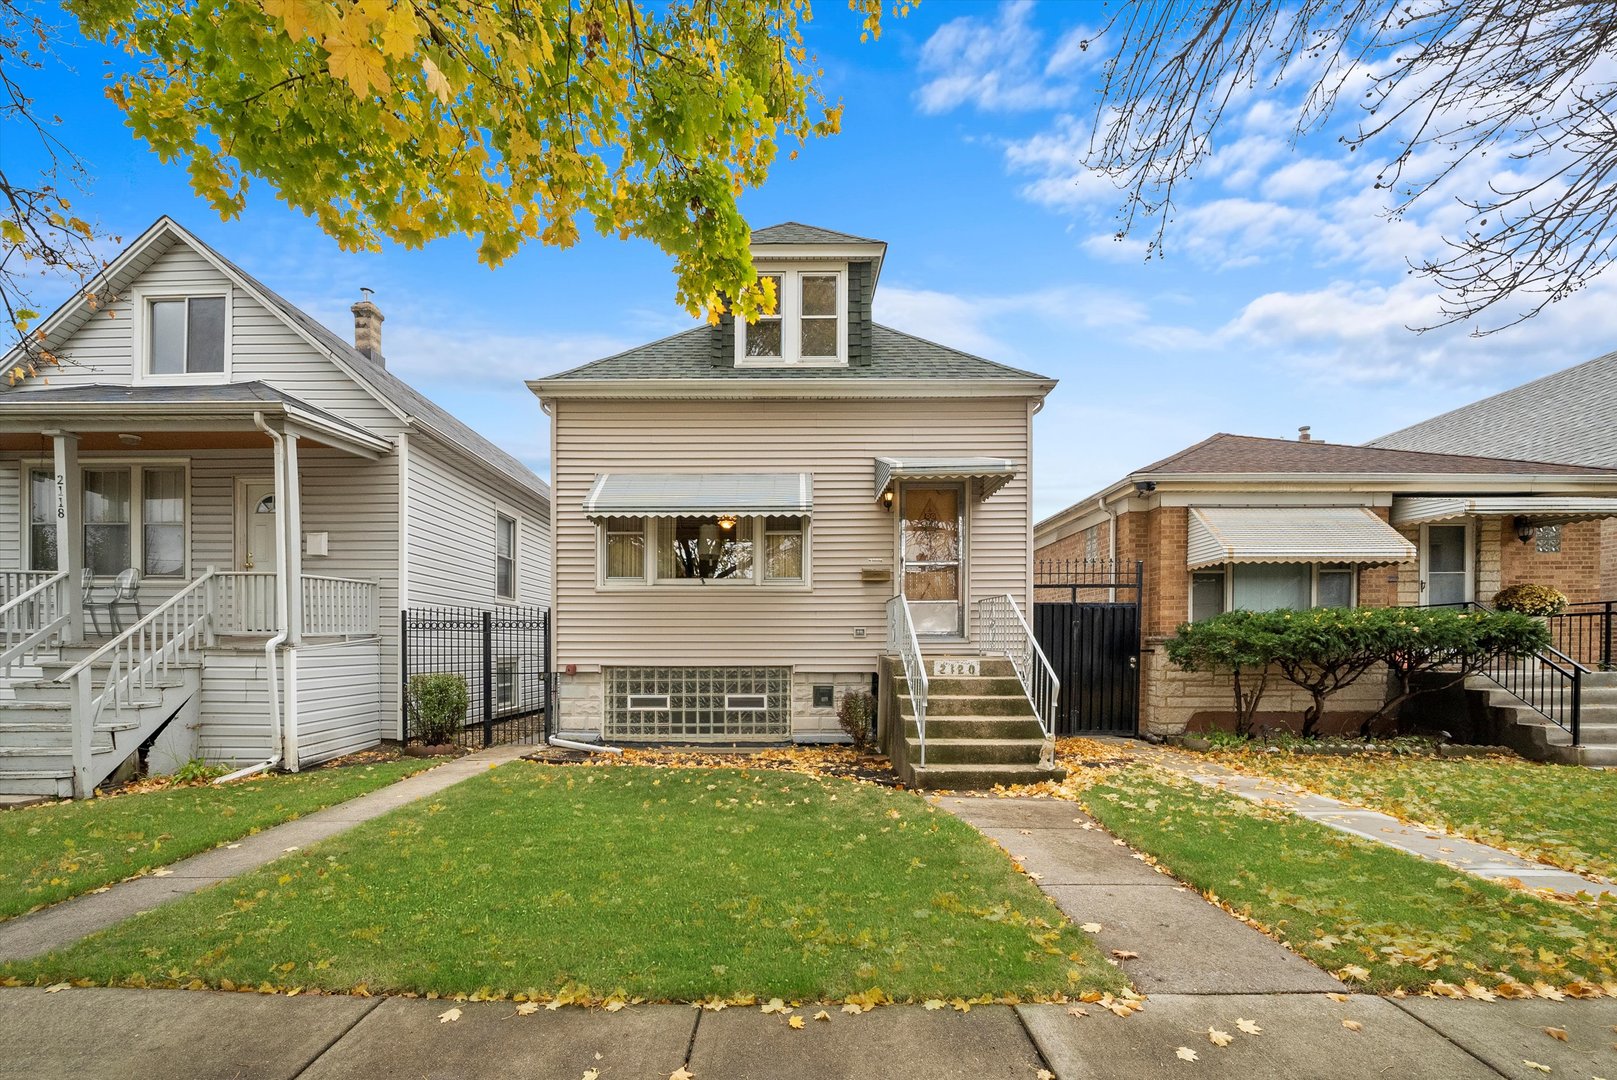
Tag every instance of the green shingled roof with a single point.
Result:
(894, 355)
(794, 232)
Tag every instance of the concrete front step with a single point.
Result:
(976, 751)
(978, 686)
(969, 705)
(979, 727)
(950, 777)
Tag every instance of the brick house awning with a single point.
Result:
(699, 494)
(1246, 534)
(1537, 509)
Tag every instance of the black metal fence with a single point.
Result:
(503, 654)
(1584, 632)
(1088, 580)
(1086, 619)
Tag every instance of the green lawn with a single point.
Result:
(668, 884)
(60, 850)
(1341, 901)
(1561, 814)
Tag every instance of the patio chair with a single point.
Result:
(125, 590)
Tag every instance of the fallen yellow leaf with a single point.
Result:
(1353, 1025)
(527, 1008)
(1556, 1033)
(795, 1022)
(775, 1005)
(449, 1017)
(1219, 1038)
(1091, 928)
(933, 1004)
(1185, 1053)
(1248, 1027)
(822, 1015)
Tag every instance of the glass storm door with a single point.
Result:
(1447, 557)
(931, 534)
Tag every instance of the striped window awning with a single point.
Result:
(1283, 534)
(1537, 509)
(991, 473)
(699, 494)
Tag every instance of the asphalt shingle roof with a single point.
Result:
(894, 355)
(1568, 416)
(1224, 453)
(115, 394)
(794, 232)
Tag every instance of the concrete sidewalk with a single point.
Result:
(180, 1035)
(62, 924)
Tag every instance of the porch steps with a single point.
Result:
(980, 731)
(1531, 735)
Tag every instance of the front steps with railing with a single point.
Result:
(981, 729)
(36, 722)
(1530, 733)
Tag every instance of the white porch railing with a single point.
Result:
(1005, 632)
(340, 606)
(32, 616)
(244, 602)
(901, 642)
(13, 583)
(137, 660)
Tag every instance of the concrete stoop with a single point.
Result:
(981, 731)
(1516, 725)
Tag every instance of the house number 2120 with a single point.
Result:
(948, 668)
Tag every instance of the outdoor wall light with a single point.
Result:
(1525, 530)
(887, 498)
(727, 522)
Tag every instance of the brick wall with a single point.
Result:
(1173, 701)
(1576, 569)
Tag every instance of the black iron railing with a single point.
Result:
(1088, 579)
(1549, 682)
(1584, 632)
(503, 654)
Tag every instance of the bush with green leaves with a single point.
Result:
(855, 713)
(1325, 650)
(1529, 599)
(438, 704)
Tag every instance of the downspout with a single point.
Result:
(1111, 543)
(279, 637)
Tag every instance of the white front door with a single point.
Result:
(1445, 560)
(256, 544)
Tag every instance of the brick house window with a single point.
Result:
(1548, 539)
(1270, 586)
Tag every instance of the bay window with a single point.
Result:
(134, 517)
(719, 549)
(1270, 587)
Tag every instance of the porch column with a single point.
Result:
(290, 505)
(69, 485)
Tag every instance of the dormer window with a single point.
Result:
(186, 336)
(810, 324)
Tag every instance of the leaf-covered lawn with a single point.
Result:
(1384, 918)
(60, 850)
(668, 884)
(1564, 815)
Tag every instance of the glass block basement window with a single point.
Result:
(704, 704)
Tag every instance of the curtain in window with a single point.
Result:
(106, 520)
(162, 510)
(625, 549)
(1268, 586)
(783, 548)
(1206, 594)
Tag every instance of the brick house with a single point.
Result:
(1242, 522)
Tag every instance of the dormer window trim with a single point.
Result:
(142, 305)
(790, 315)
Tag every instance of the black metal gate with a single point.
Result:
(1092, 639)
(503, 654)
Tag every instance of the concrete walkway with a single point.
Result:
(180, 1035)
(62, 924)
(1432, 844)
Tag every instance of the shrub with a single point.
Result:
(855, 713)
(1527, 599)
(438, 705)
(1240, 642)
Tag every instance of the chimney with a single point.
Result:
(368, 327)
(1302, 432)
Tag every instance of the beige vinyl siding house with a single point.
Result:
(210, 430)
(729, 543)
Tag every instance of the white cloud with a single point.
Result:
(978, 324)
(996, 66)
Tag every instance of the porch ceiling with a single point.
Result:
(1273, 534)
(1537, 509)
(990, 473)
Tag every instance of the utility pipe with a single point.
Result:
(593, 748)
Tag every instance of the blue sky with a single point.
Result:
(1282, 300)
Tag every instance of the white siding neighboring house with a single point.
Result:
(219, 441)
(741, 510)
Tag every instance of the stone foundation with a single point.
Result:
(1173, 702)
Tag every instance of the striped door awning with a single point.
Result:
(699, 494)
(1278, 534)
(1537, 509)
(991, 473)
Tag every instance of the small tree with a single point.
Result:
(1324, 650)
(855, 714)
(1242, 643)
(438, 704)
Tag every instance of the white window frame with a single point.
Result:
(507, 694)
(502, 514)
(1470, 557)
(758, 579)
(789, 308)
(137, 506)
(1228, 570)
(140, 304)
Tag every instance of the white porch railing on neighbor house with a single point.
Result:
(901, 642)
(137, 661)
(1004, 631)
(33, 615)
(340, 606)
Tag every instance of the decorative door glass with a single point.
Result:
(931, 544)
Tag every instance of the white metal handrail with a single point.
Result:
(901, 642)
(172, 633)
(33, 616)
(339, 606)
(244, 602)
(1005, 632)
